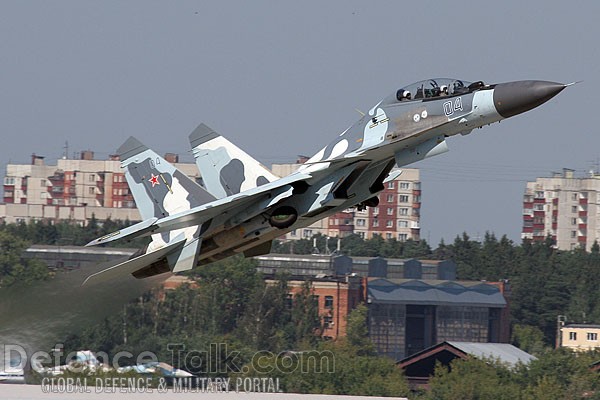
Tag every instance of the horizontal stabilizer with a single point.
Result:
(143, 228)
(137, 263)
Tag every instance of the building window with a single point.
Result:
(390, 185)
(360, 222)
(592, 336)
(573, 234)
(9, 181)
(390, 211)
(375, 210)
(390, 224)
(403, 199)
(307, 233)
(403, 211)
(575, 196)
(539, 194)
(390, 198)
(572, 335)
(328, 321)
(375, 223)
(91, 190)
(539, 207)
(402, 224)
(404, 185)
(328, 301)
(92, 178)
(42, 183)
(293, 233)
(402, 237)
(573, 221)
(361, 234)
(574, 209)
(315, 299)
(388, 236)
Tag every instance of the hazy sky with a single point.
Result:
(282, 78)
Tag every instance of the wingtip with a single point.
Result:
(202, 134)
(130, 148)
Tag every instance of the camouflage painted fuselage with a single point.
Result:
(243, 206)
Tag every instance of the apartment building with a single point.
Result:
(72, 189)
(78, 189)
(563, 207)
(397, 215)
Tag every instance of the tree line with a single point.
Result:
(230, 303)
(571, 279)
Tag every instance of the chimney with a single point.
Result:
(568, 173)
(37, 160)
(87, 155)
(172, 157)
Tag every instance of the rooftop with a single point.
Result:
(435, 292)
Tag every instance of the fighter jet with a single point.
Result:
(242, 207)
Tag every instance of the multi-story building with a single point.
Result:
(412, 304)
(335, 296)
(78, 189)
(580, 337)
(72, 189)
(397, 215)
(564, 208)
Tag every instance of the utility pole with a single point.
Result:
(560, 322)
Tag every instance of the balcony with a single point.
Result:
(582, 239)
(582, 227)
(528, 211)
(583, 214)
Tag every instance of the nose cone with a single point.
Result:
(514, 98)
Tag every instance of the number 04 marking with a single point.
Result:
(450, 107)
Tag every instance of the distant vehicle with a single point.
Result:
(242, 206)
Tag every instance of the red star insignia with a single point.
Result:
(154, 180)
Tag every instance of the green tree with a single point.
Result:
(528, 338)
(473, 379)
(357, 331)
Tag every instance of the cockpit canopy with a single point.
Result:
(431, 88)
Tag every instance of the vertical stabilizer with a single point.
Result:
(225, 168)
(159, 189)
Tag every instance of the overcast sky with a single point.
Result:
(283, 78)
